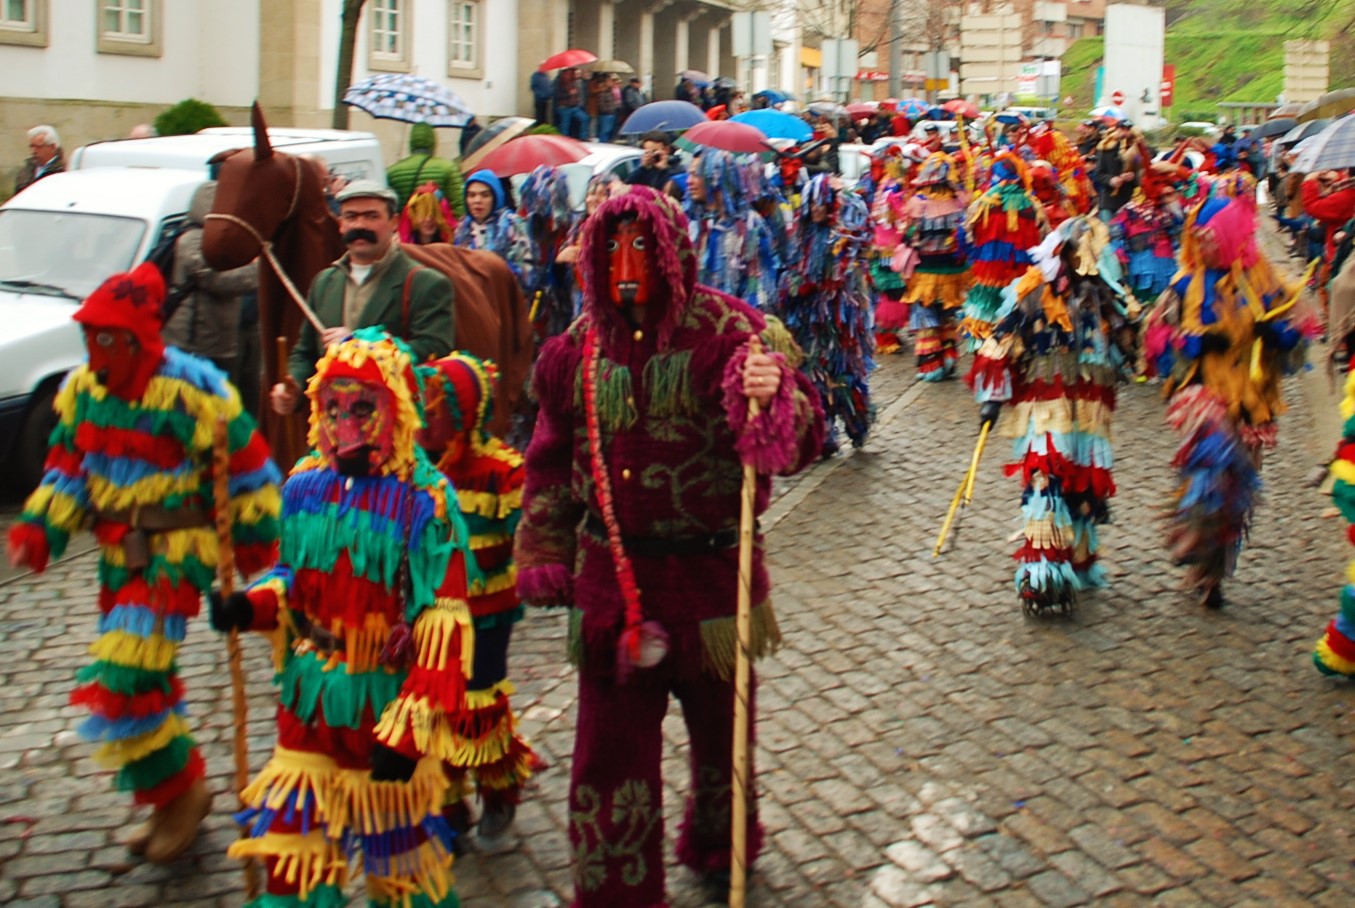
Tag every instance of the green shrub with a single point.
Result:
(545, 129)
(187, 117)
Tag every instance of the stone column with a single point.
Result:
(725, 61)
(290, 80)
(605, 47)
(542, 25)
(698, 43)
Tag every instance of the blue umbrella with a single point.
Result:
(410, 99)
(775, 96)
(776, 125)
(671, 116)
(912, 108)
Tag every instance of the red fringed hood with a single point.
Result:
(672, 254)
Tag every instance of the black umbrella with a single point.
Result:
(1277, 127)
(1303, 131)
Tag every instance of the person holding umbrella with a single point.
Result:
(570, 118)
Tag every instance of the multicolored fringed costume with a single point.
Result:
(1335, 652)
(501, 232)
(933, 225)
(1147, 231)
(887, 198)
(735, 250)
(825, 303)
(1002, 223)
(137, 463)
(370, 659)
(1222, 335)
(629, 517)
(1060, 344)
(487, 476)
(545, 210)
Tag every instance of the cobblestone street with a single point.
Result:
(919, 741)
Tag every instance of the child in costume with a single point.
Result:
(825, 303)
(1222, 335)
(1061, 342)
(735, 251)
(629, 518)
(132, 453)
(933, 226)
(1147, 231)
(487, 476)
(427, 217)
(369, 657)
(887, 202)
(1002, 223)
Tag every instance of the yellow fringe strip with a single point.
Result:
(489, 504)
(434, 735)
(1062, 416)
(362, 645)
(249, 508)
(1045, 534)
(304, 861)
(153, 653)
(104, 495)
(426, 869)
(1343, 470)
(505, 581)
(488, 540)
(175, 546)
(61, 510)
(1348, 402)
(485, 697)
(281, 637)
(116, 754)
(444, 632)
(1332, 660)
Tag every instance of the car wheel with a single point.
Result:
(31, 452)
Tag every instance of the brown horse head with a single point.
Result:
(258, 191)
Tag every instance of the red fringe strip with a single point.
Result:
(109, 705)
(1340, 644)
(166, 792)
(164, 596)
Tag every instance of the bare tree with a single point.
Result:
(343, 77)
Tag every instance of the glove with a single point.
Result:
(390, 765)
(230, 613)
(989, 411)
(1213, 342)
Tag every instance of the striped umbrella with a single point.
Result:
(1331, 149)
(409, 99)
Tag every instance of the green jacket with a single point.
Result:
(431, 333)
(408, 174)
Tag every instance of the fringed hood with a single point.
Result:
(672, 255)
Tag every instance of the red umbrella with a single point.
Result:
(567, 58)
(862, 111)
(727, 135)
(966, 109)
(525, 153)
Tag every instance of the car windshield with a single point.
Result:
(66, 250)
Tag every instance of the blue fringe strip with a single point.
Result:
(143, 621)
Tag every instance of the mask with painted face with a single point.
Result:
(355, 422)
(118, 361)
(630, 281)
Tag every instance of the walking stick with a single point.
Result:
(225, 572)
(743, 620)
(965, 492)
(288, 421)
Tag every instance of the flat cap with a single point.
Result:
(368, 189)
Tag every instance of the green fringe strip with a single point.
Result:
(304, 685)
(575, 638)
(720, 640)
(319, 897)
(498, 619)
(1347, 603)
(417, 900)
(777, 338)
(615, 396)
(127, 682)
(155, 768)
(668, 384)
(197, 574)
(1343, 496)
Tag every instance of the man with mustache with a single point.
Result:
(373, 284)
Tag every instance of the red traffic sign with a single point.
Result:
(1168, 84)
(1117, 99)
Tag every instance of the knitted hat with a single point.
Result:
(130, 301)
(467, 385)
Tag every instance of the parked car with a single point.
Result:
(353, 155)
(59, 240)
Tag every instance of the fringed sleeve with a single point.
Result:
(57, 507)
(546, 539)
(254, 491)
(787, 434)
(990, 376)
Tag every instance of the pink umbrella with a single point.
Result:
(567, 58)
(727, 135)
(966, 109)
(526, 153)
(862, 110)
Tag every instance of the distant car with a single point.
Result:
(59, 239)
(603, 157)
(1198, 128)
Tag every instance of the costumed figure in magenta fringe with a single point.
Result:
(933, 232)
(1061, 343)
(491, 759)
(1222, 335)
(1002, 223)
(826, 304)
(630, 519)
(131, 454)
(734, 248)
(369, 654)
(888, 269)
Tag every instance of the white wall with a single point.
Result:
(1134, 49)
(493, 95)
(210, 51)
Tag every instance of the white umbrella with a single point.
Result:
(1331, 149)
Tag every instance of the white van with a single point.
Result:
(59, 240)
(354, 155)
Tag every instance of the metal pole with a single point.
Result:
(895, 48)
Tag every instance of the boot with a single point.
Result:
(176, 824)
(136, 842)
(496, 818)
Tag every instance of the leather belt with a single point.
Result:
(661, 546)
(321, 640)
(157, 519)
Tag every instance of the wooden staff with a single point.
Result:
(225, 572)
(289, 421)
(743, 621)
(966, 490)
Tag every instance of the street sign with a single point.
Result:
(1117, 98)
(1168, 84)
